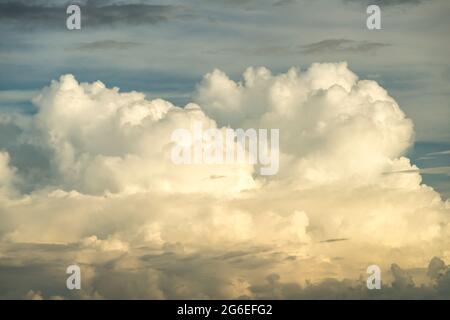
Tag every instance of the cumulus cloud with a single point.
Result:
(333, 127)
(101, 191)
(7, 174)
(107, 141)
(31, 295)
(106, 45)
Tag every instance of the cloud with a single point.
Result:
(177, 275)
(402, 287)
(334, 240)
(390, 3)
(342, 45)
(53, 15)
(327, 46)
(31, 295)
(314, 147)
(432, 170)
(281, 3)
(402, 279)
(105, 45)
(15, 96)
(440, 153)
(436, 170)
(7, 174)
(88, 179)
(436, 268)
(75, 125)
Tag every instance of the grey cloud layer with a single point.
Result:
(389, 3)
(342, 45)
(151, 274)
(24, 14)
(105, 45)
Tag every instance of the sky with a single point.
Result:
(85, 123)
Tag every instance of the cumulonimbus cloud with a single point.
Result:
(102, 191)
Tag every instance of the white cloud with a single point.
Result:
(107, 141)
(31, 295)
(112, 195)
(15, 96)
(7, 175)
(333, 127)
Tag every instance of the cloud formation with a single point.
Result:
(95, 14)
(341, 45)
(106, 45)
(390, 3)
(88, 179)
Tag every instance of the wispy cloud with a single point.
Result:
(440, 153)
(334, 240)
(14, 96)
(436, 170)
(389, 3)
(342, 45)
(433, 170)
(281, 3)
(105, 45)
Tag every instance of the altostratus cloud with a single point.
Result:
(101, 189)
(52, 14)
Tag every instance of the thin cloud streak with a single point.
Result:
(342, 45)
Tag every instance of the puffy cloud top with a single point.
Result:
(107, 141)
(332, 126)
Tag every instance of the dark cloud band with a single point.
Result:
(37, 15)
